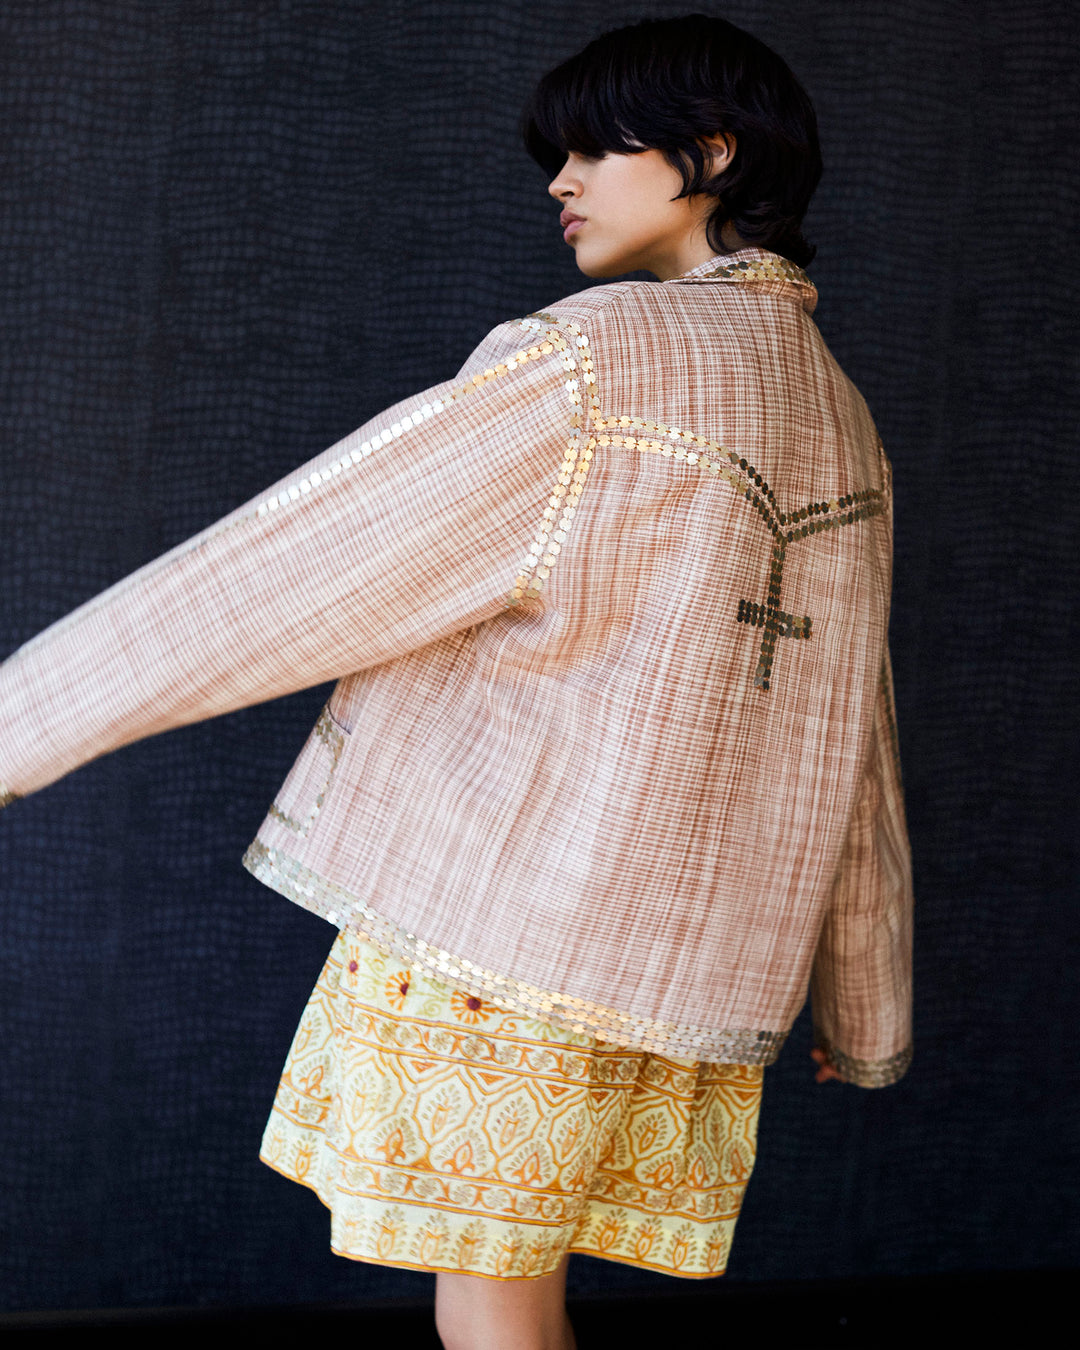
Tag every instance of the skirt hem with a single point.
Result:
(483, 1275)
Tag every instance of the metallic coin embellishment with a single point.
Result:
(349, 459)
(297, 882)
(866, 1072)
(739, 473)
(759, 269)
(332, 737)
(551, 533)
(775, 622)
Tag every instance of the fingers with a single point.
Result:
(826, 1071)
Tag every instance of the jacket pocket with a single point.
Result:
(305, 789)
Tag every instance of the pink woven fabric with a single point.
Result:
(613, 740)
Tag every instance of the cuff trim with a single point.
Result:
(868, 1073)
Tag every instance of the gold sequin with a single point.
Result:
(756, 269)
(330, 734)
(570, 481)
(751, 485)
(285, 496)
(868, 1073)
(729, 1046)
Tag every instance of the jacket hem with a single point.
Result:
(338, 906)
(867, 1073)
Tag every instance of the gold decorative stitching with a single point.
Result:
(774, 268)
(339, 906)
(868, 1073)
(739, 472)
(419, 414)
(332, 736)
(785, 526)
(562, 504)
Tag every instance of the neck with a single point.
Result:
(697, 250)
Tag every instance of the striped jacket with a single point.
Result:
(612, 741)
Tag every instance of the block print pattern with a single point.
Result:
(445, 1132)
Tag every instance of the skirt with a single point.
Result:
(446, 1133)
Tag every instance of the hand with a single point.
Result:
(826, 1071)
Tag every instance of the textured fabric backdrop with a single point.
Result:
(233, 231)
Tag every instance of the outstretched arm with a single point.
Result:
(412, 528)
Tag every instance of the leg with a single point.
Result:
(474, 1313)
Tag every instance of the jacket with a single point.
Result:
(612, 741)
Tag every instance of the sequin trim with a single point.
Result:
(7, 797)
(786, 527)
(422, 413)
(736, 470)
(571, 340)
(868, 1073)
(775, 622)
(338, 906)
(573, 345)
(331, 735)
(346, 462)
(773, 268)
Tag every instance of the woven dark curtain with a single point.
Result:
(229, 233)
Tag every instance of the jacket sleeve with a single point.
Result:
(861, 981)
(415, 526)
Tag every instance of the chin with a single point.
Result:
(603, 267)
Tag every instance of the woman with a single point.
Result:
(609, 778)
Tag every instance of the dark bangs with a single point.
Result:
(575, 108)
(667, 85)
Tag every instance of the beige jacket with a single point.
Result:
(613, 739)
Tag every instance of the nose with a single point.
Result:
(565, 184)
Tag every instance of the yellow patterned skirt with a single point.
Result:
(445, 1132)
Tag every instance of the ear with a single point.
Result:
(721, 149)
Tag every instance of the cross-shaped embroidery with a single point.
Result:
(786, 527)
(775, 622)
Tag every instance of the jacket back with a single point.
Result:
(612, 741)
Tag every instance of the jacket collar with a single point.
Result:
(753, 264)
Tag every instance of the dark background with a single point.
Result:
(229, 233)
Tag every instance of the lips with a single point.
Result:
(570, 223)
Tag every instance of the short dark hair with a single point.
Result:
(667, 84)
